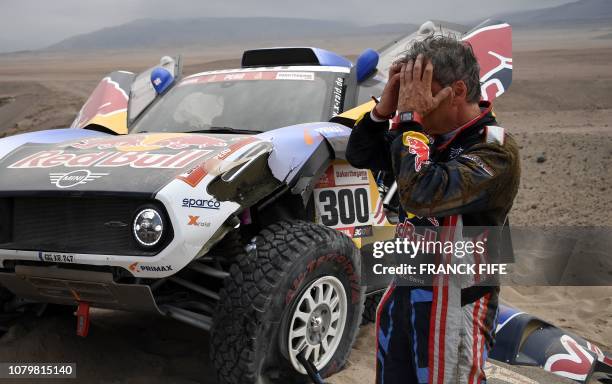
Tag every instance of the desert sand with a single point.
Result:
(559, 108)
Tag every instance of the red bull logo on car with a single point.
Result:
(495, 66)
(107, 106)
(51, 159)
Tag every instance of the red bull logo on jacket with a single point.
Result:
(417, 145)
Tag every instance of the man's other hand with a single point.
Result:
(388, 101)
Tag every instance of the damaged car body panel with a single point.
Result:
(302, 153)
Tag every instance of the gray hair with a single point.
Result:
(452, 60)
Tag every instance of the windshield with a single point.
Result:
(253, 101)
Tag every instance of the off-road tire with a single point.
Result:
(246, 337)
(369, 308)
(229, 249)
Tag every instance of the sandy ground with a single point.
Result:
(559, 108)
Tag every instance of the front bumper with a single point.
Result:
(70, 286)
(191, 238)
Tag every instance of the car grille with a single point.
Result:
(73, 225)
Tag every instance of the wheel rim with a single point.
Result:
(317, 322)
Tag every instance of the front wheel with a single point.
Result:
(296, 290)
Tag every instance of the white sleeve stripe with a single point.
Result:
(494, 134)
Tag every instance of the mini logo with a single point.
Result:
(74, 178)
(115, 224)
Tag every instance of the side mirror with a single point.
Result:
(366, 64)
(161, 79)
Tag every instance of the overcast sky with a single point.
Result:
(30, 24)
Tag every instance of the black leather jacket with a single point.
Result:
(470, 180)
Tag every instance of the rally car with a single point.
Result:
(223, 200)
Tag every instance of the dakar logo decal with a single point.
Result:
(575, 365)
(74, 178)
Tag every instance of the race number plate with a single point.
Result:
(344, 199)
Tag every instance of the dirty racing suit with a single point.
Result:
(440, 332)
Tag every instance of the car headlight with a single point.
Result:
(148, 227)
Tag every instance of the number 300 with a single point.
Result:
(344, 206)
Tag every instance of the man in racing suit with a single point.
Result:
(455, 167)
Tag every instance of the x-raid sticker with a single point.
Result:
(196, 222)
(338, 98)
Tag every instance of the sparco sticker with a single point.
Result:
(201, 203)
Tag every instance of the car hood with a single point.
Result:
(131, 164)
